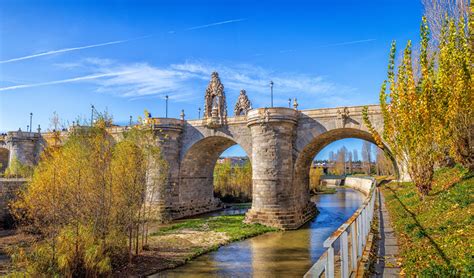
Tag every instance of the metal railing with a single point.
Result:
(352, 239)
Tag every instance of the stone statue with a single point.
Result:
(215, 100)
(343, 116)
(243, 104)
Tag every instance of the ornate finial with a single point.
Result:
(182, 115)
(243, 104)
(215, 99)
(295, 104)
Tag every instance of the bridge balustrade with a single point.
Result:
(351, 238)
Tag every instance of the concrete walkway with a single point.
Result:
(386, 264)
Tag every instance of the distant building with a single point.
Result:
(234, 160)
(328, 166)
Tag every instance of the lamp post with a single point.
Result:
(289, 103)
(166, 106)
(31, 120)
(92, 115)
(199, 113)
(130, 123)
(271, 92)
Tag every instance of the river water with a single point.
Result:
(279, 254)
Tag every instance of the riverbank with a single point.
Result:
(174, 245)
(435, 234)
(281, 254)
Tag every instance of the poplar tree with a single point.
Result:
(409, 113)
(455, 101)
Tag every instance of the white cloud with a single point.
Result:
(216, 23)
(60, 51)
(187, 81)
(63, 81)
(348, 43)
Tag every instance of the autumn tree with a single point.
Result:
(315, 174)
(436, 12)
(408, 108)
(367, 156)
(349, 161)
(383, 163)
(428, 114)
(454, 96)
(155, 176)
(129, 185)
(340, 163)
(233, 182)
(88, 202)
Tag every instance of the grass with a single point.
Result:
(435, 234)
(325, 190)
(232, 225)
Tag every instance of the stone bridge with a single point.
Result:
(280, 142)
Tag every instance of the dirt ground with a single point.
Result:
(10, 238)
(172, 250)
(164, 252)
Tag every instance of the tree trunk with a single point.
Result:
(422, 176)
(130, 244)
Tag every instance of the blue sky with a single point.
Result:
(125, 56)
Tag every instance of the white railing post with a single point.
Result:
(354, 245)
(359, 235)
(362, 231)
(344, 255)
(330, 263)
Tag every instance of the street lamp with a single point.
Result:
(31, 120)
(130, 124)
(289, 103)
(199, 113)
(271, 92)
(167, 106)
(92, 114)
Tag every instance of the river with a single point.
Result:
(279, 254)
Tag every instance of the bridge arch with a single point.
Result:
(307, 154)
(196, 174)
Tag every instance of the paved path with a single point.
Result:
(387, 249)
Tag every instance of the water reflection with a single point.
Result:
(288, 254)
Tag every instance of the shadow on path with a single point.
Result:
(422, 229)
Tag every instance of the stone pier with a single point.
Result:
(276, 201)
